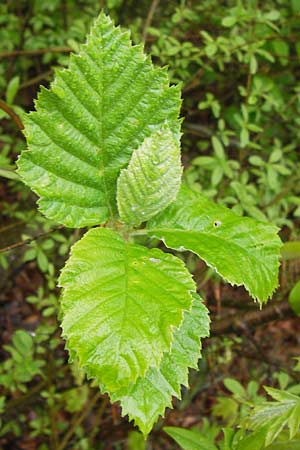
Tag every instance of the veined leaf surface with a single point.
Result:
(275, 415)
(120, 305)
(152, 179)
(242, 250)
(86, 126)
(147, 399)
(190, 439)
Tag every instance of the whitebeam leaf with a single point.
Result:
(242, 250)
(148, 398)
(152, 179)
(86, 126)
(120, 305)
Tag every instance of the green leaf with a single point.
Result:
(227, 409)
(281, 49)
(227, 443)
(86, 127)
(275, 415)
(9, 174)
(12, 90)
(256, 161)
(235, 387)
(253, 65)
(136, 441)
(23, 342)
(290, 250)
(218, 148)
(120, 305)
(152, 179)
(189, 439)
(242, 250)
(272, 15)
(295, 6)
(229, 21)
(147, 399)
(254, 440)
(294, 298)
(286, 444)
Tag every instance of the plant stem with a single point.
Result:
(28, 241)
(78, 420)
(12, 114)
(38, 51)
(149, 18)
(98, 418)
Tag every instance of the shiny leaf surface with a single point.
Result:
(120, 305)
(148, 398)
(244, 251)
(152, 179)
(89, 122)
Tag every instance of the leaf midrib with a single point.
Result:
(102, 150)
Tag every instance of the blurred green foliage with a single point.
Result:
(248, 420)
(238, 62)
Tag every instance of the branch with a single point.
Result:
(35, 79)
(38, 51)
(28, 241)
(202, 130)
(149, 18)
(12, 114)
(194, 82)
(78, 420)
(236, 323)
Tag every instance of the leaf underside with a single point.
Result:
(89, 122)
(242, 250)
(121, 303)
(147, 399)
(152, 179)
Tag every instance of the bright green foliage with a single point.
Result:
(290, 250)
(275, 415)
(190, 439)
(87, 125)
(21, 367)
(127, 311)
(152, 179)
(294, 298)
(145, 400)
(242, 250)
(273, 425)
(120, 304)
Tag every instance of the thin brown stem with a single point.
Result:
(38, 51)
(28, 241)
(78, 420)
(235, 323)
(98, 418)
(4, 106)
(11, 225)
(151, 12)
(36, 79)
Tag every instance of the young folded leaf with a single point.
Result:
(121, 304)
(147, 399)
(243, 251)
(152, 179)
(85, 128)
